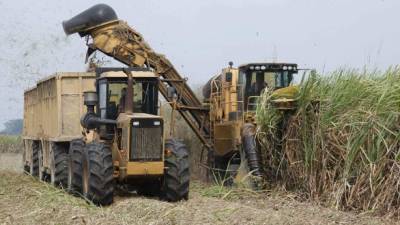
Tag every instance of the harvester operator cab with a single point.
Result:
(256, 78)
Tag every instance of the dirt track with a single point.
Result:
(24, 200)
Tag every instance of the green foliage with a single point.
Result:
(342, 144)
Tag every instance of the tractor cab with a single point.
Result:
(255, 78)
(114, 101)
(135, 113)
(112, 90)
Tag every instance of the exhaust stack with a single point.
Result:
(88, 19)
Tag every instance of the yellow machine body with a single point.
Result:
(232, 102)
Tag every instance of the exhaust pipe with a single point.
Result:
(90, 120)
(92, 17)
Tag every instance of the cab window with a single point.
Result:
(112, 97)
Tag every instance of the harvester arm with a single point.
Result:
(115, 38)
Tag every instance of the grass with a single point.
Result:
(10, 144)
(341, 146)
(25, 200)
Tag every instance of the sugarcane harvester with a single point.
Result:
(233, 97)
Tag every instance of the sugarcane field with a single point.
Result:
(200, 112)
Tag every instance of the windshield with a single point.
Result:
(144, 98)
(255, 82)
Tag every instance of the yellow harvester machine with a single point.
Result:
(232, 97)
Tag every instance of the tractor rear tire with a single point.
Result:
(75, 157)
(97, 177)
(34, 167)
(59, 166)
(177, 175)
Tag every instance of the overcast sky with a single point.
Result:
(200, 37)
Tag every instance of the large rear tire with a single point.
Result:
(177, 175)
(97, 177)
(59, 166)
(34, 167)
(75, 160)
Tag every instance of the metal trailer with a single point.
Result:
(52, 111)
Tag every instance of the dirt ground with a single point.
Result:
(24, 200)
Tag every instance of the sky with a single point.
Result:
(200, 37)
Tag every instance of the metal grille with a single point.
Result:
(146, 143)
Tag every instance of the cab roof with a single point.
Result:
(135, 74)
(115, 72)
(269, 66)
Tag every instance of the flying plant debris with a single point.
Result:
(341, 145)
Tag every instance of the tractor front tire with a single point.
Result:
(75, 157)
(177, 175)
(97, 177)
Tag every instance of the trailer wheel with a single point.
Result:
(59, 166)
(75, 166)
(27, 168)
(97, 176)
(34, 167)
(43, 176)
(177, 175)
